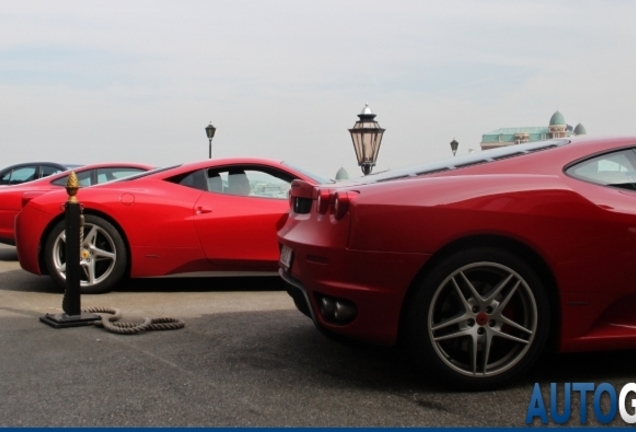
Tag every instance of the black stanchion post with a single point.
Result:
(73, 315)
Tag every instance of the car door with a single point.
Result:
(608, 181)
(238, 218)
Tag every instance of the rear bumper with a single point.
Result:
(298, 293)
(376, 283)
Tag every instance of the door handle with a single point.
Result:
(201, 210)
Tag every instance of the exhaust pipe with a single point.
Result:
(337, 311)
(345, 311)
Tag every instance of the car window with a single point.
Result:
(194, 180)
(616, 169)
(110, 174)
(84, 179)
(47, 170)
(240, 180)
(6, 178)
(19, 175)
(249, 182)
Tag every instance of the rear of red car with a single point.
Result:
(340, 286)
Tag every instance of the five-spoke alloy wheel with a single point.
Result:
(102, 255)
(479, 318)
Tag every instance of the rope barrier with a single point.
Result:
(110, 322)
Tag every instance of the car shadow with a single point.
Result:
(392, 368)
(8, 253)
(22, 281)
(361, 364)
(19, 280)
(201, 284)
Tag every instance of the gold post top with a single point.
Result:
(72, 186)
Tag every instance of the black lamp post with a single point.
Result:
(366, 135)
(454, 144)
(210, 130)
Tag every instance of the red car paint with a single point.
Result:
(13, 198)
(171, 229)
(399, 224)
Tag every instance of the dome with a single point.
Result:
(557, 119)
(580, 130)
(342, 174)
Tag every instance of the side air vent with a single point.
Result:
(467, 164)
(432, 171)
(508, 156)
(394, 178)
(542, 148)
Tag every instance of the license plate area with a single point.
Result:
(286, 256)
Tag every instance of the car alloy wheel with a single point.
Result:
(482, 319)
(486, 318)
(102, 255)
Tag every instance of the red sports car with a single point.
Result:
(13, 198)
(477, 263)
(218, 217)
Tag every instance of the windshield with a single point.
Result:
(315, 177)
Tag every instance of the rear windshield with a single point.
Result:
(482, 157)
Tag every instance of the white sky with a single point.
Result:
(92, 81)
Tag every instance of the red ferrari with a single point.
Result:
(478, 264)
(218, 217)
(13, 198)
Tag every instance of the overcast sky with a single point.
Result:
(92, 81)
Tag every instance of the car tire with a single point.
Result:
(104, 256)
(478, 319)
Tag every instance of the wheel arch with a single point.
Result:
(60, 217)
(508, 244)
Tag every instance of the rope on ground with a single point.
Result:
(110, 322)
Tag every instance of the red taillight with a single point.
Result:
(323, 201)
(341, 202)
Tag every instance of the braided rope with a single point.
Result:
(110, 323)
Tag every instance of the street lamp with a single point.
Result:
(210, 130)
(366, 135)
(454, 144)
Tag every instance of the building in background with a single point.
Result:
(342, 174)
(557, 128)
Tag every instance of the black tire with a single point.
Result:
(103, 260)
(477, 344)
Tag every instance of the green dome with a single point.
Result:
(580, 130)
(342, 174)
(557, 119)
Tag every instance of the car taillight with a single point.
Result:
(341, 203)
(324, 199)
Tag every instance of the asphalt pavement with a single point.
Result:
(246, 357)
